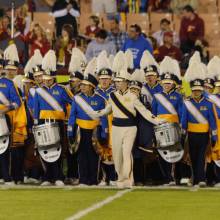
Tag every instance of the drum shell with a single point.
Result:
(46, 134)
(167, 134)
(3, 126)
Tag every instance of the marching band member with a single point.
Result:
(76, 69)
(124, 106)
(168, 103)
(197, 121)
(213, 170)
(50, 102)
(151, 70)
(9, 101)
(104, 89)
(83, 108)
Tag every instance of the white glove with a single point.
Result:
(160, 121)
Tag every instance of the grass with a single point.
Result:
(46, 204)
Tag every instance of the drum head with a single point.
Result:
(50, 153)
(4, 143)
(217, 162)
(171, 156)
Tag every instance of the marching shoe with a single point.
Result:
(1, 181)
(217, 185)
(59, 183)
(128, 184)
(202, 184)
(102, 183)
(11, 183)
(46, 183)
(112, 183)
(82, 185)
(31, 181)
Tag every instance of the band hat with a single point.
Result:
(122, 75)
(49, 65)
(28, 71)
(169, 70)
(11, 58)
(103, 66)
(195, 75)
(75, 66)
(130, 59)
(90, 74)
(195, 58)
(213, 73)
(149, 64)
(37, 63)
(137, 79)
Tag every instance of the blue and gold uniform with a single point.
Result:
(50, 103)
(168, 106)
(105, 93)
(87, 157)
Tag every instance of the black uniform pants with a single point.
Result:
(198, 143)
(87, 158)
(72, 165)
(4, 165)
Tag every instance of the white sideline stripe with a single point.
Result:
(98, 205)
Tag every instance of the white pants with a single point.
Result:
(104, 6)
(122, 143)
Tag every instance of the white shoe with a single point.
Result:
(112, 183)
(171, 183)
(102, 183)
(46, 183)
(217, 185)
(127, 184)
(59, 183)
(11, 183)
(184, 181)
(1, 181)
(83, 185)
(20, 183)
(31, 181)
(202, 184)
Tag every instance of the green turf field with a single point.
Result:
(138, 204)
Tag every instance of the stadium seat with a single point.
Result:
(140, 19)
(207, 6)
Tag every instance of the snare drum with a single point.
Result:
(46, 134)
(167, 134)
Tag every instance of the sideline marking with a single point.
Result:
(98, 205)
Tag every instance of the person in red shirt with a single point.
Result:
(4, 22)
(93, 28)
(168, 49)
(37, 39)
(192, 28)
(64, 46)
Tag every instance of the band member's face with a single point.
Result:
(151, 79)
(167, 86)
(48, 82)
(38, 79)
(105, 83)
(86, 89)
(197, 93)
(121, 85)
(208, 89)
(11, 74)
(136, 91)
(75, 83)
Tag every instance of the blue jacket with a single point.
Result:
(137, 47)
(168, 106)
(201, 119)
(50, 103)
(9, 95)
(82, 119)
(150, 91)
(105, 93)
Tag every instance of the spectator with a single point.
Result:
(37, 39)
(168, 49)
(65, 12)
(104, 6)
(159, 5)
(64, 45)
(115, 35)
(23, 20)
(191, 29)
(4, 23)
(177, 5)
(93, 28)
(43, 5)
(137, 44)
(165, 26)
(99, 44)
